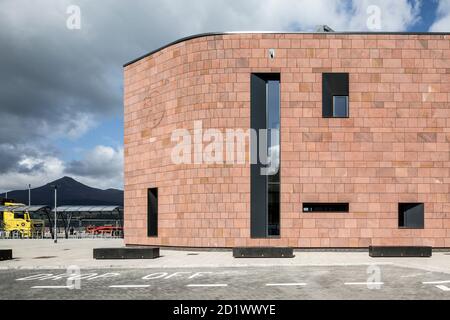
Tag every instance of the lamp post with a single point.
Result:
(55, 235)
(29, 194)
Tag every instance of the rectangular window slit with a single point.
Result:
(152, 212)
(325, 207)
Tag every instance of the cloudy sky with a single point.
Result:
(61, 89)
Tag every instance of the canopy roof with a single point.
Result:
(61, 209)
(88, 208)
(22, 208)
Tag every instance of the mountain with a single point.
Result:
(70, 192)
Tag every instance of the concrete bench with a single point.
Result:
(126, 253)
(5, 254)
(263, 252)
(400, 251)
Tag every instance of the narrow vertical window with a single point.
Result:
(273, 143)
(152, 212)
(265, 173)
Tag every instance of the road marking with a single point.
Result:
(285, 284)
(130, 286)
(436, 282)
(208, 285)
(443, 288)
(363, 283)
(52, 287)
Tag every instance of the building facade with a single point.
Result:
(361, 156)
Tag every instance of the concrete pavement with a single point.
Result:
(44, 254)
(66, 270)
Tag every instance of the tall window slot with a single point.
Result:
(265, 172)
(152, 212)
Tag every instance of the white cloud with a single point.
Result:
(442, 22)
(285, 15)
(57, 83)
(101, 167)
(49, 168)
(394, 15)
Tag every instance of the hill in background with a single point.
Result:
(70, 192)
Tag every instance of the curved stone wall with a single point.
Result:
(393, 148)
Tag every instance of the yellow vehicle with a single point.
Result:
(19, 223)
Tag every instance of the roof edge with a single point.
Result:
(206, 34)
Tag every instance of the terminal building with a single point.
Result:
(361, 156)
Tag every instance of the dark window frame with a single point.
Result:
(326, 207)
(334, 84)
(152, 212)
(404, 207)
(260, 184)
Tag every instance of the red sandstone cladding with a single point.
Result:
(394, 147)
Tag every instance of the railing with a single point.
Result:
(61, 235)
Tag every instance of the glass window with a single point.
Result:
(411, 215)
(340, 106)
(325, 207)
(273, 178)
(265, 173)
(335, 93)
(19, 215)
(152, 212)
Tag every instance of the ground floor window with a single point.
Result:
(325, 207)
(265, 171)
(411, 215)
(152, 212)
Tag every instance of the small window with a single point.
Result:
(152, 212)
(325, 207)
(411, 215)
(19, 215)
(335, 93)
(340, 106)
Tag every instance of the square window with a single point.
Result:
(411, 215)
(340, 106)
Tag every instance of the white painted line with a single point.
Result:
(52, 287)
(436, 282)
(208, 285)
(443, 288)
(285, 284)
(363, 283)
(130, 286)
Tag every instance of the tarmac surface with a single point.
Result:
(247, 283)
(66, 270)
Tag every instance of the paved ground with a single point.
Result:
(44, 254)
(249, 283)
(39, 271)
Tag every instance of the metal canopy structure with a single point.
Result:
(88, 208)
(22, 208)
(66, 213)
